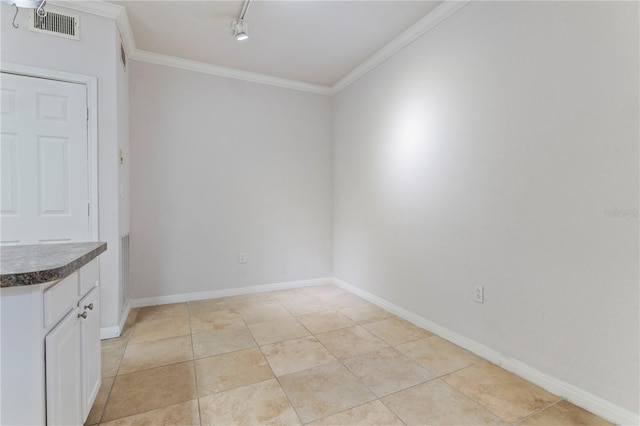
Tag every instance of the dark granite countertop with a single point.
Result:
(37, 264)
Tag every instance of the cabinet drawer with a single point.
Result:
(88, 276)
(60, 298)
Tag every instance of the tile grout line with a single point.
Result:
(520, 420)
(336, 359)
(150, 368)
(115, 376)
(391, 409)
(193, 361)
(480, 403)
(277, 379)
(340, 361)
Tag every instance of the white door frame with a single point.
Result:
(92, 126)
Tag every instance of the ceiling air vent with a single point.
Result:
(56, 23)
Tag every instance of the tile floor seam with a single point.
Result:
(469, 397)
(318, 366)
(315, 336)
(522, 419)
(519, 419)
(193, 362)
(221, 353)
(303, 369)
(126, 344)
(157, 340)
(478, 403)
(105, 401)
(358, 379)
(448, 372)
(273, 372)
(265, 358)
(256, 342)
(286, 394)
(391, 409)
(484, 406)
(406, 389)
(155, 408)
(155, 366)
(152, 366)
(343, 411)
(384, 396)
(305, 327)
(146, 411)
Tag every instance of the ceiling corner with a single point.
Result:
(431, 20)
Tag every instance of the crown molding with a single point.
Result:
(119, 14)
(432, 19)
(126, 33)
(220, 71)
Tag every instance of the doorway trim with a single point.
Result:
(91, 83)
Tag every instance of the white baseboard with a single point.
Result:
(571, 393)
(115, 331)
(213, 294)
(110, 332)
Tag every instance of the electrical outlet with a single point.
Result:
(478, 294)
(243, 258)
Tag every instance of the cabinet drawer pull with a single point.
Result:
(89, 306)
(83, 315)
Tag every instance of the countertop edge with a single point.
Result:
(47, 275)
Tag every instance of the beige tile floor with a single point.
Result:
(316, 355)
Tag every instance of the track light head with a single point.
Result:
(240, 30)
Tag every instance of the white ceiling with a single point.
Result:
(316, 42)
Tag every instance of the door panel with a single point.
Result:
(53, 171)
(45, 191)
(8, 175)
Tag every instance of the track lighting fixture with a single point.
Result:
(240, 30)
(240, 27)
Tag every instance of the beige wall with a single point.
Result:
(220, 167)
(493, 151)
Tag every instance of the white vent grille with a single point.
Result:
(124, 270)
(56, 23)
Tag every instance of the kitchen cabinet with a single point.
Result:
(50, 349)
(72, 357)
(64, 377)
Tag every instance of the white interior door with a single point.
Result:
(44, 194)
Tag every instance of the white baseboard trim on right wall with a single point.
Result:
(571, 393)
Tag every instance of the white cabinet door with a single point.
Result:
(90, 342)
(44, 192)
(64, 385)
